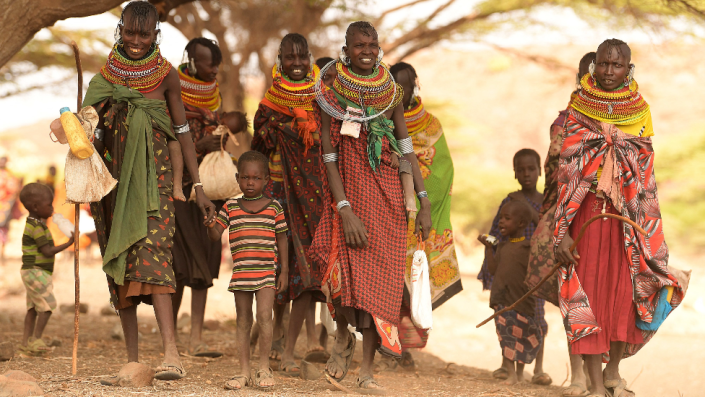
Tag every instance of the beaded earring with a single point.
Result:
(344, 58)
(577, 81)
(380, 55)
(192, 67)
(591, 69)
(311, 62)
(630, 75)
(278, 61)
(117, 35)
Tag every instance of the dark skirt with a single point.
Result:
(519, 336)
(603, 271)
(196, 257)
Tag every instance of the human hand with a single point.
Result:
(423, 218)
(210, 143)
(283, 281)
(483, 239)
(353, 228)
(563, 254)
(71, 240)
(206, 206)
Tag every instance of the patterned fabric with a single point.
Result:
(298, 192)
(519, 336)
(10, 187)
(253, 241)
(148, 260)
(40, 290)
(197, 93)
(585, 145)
(369, 279)
(36, 235)
(541, 259)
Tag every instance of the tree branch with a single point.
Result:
(380, 18)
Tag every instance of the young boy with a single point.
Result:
(38, 252)
(527, 169)
(519, 333)
(255, 223)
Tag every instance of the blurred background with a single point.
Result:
(495, 72)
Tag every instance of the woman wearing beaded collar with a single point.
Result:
(287, 132)
(362, 243)
(135, 222)
(614, 297)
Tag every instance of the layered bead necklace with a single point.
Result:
(376, 90)
(417, 118)
(144, 75)
(622, 106)
(293, 94)
(200, 94)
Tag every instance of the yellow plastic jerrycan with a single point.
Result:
(80, 145)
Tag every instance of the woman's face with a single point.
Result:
(611, 67)
(137, 40)
(296, 62)
(203, 59)
(362, 51)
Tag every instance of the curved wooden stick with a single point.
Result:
(76, 233)
(557, 266)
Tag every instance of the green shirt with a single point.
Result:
(36, 235)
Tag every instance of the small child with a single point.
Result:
(38, 252)
(256, 226)
(519, 333)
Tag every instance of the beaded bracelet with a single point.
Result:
(422, 194)
(342, 203)
(405, 145)
(182, 129)
(330, 157)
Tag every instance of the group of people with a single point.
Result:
(324, 215)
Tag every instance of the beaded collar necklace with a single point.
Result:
(623, 106)
(293, 94)
(416, 117)
(517, 240)
(200, 94)
(252, 198)
(144, 75)
(376, 90)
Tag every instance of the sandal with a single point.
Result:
(407, 360)
(110, 381)
(289, 368)
(317, 355)
(35, 347)
(242, 381)
(621, 390)
(202, 351)
(500, 373)
(277, 349)
(571, 390)
(262, 375)
(386, 364)
(343, 359)
(169, 372)
(542, 379)
(367, 385)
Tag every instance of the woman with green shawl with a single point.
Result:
(135, 222)
(437, 170)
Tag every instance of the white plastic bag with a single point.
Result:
(217, 173)
(420, 290)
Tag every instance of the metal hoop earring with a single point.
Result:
(630, 75)
(591, 69)
(380, 55)
(192, 67)
(344, 58)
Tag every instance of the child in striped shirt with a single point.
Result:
(255, 225)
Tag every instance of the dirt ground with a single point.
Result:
(457, 361)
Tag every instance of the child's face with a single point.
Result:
(509, 222)
(252, 177)
(44, 207)
(527, 172)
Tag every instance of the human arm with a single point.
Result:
(49, 250)
(188, 150)
(489, 254)
(423, 218)
(218, 224)
(283, 247)
(353, 228)
(563, 253)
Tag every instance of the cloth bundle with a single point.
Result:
(217, 173)
(420, 290)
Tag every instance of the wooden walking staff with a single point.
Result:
(558, 265)
(77, 217)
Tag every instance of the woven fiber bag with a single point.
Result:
(217, 173)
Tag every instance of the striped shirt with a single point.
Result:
(36, 235)
(253, 240)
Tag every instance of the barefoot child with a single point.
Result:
(527, 169)
(519, 333)
(38, 252)
(255, 225)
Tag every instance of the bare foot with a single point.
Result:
(179, 194)
(511, 380)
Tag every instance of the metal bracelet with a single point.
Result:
(182, 129)
(98, 134)
(342, 203)
(330, 157)
(405, 145)
(422, 194)
(195, 185)
(404, 167)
